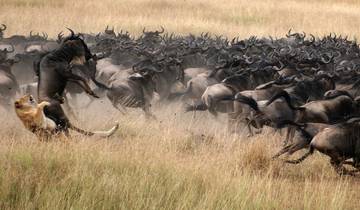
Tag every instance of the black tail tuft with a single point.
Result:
(286, 96)
(247, 100)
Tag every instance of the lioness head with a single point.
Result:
(25, 102)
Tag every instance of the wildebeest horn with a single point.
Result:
(144, 30)
(162, 30)
(282, 66)
(303, 35)
(107, 27)
(45, 35)
(289, 33)
(327, 61)
(249, 60)
(3, 27)
(312, 38)
(60, 36)
(72, 32)
(31, 34)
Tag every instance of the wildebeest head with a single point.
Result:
(37, 36)
(151, 36)
(76, 46)
(4, 53)
(2, 29)
(110, 32)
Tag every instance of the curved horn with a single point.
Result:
(303, 35)
(144, 30)
(249, 60)
(288, 35)
(312, 38)
(3, 27)
(282, 66)
(72, 32)
(162, 30)
(60, 36)
(327, 61)
(45, 36)
(31, 34)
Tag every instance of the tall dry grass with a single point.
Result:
(176, 162)
(232, 17)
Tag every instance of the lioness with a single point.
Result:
(32, 116)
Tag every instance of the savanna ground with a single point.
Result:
(176, 162)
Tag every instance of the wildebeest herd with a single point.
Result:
(306, 84)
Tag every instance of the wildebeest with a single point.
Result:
(2, 29)
(8, 84)
(55, 71)
(340, 142)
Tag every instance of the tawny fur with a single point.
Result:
(32, 116)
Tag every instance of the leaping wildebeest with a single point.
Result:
(55, 71)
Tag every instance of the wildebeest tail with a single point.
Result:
(247, 100)
(286, 96)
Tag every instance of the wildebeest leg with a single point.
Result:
(258, 126)
(213, 112)
(56, 113)
(282, 151)
(311, 151)
(292, 130)
(232, 122)
(292, 148)
(148, 114)
(68, 108)
(81, 82)
(287, 136)
(354, 164)
(338, 166)
(248, 122)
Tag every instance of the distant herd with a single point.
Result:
(306, 84)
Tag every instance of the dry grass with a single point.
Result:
(231, 18)
(176, 162)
